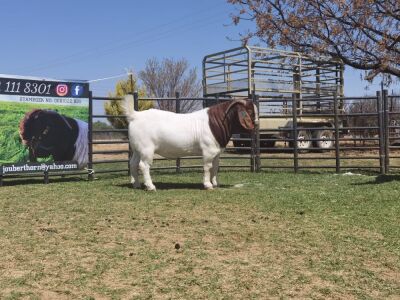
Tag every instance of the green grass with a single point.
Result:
(12, 150)
(258, 236)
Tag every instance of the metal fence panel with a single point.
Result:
(341, 134)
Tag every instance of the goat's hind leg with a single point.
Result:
(144, 166)
(133, 166)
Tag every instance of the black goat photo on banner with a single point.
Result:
(43, 125)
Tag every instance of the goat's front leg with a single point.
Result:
(207, 174)
(214, 171)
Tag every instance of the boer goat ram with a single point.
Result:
(205, 132)
(48, 133)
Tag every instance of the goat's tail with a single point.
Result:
(129, 108)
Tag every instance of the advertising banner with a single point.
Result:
(43, 124)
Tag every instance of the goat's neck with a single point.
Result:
(220, 123)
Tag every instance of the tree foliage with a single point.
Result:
(166, 78)
(114, 107)
(365, 34)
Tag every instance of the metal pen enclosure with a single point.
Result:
(369, 144)
(277, 77)
(303, 110)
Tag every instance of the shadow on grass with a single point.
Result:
(381, 179)
(174, 186)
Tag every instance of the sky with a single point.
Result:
(90, 40)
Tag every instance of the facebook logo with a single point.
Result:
(77, 90)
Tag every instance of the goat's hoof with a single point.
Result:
(151, 188)
(208, 186)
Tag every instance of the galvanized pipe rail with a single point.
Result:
(345, 152)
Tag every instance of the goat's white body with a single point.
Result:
(171, 135)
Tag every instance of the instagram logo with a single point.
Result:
(62, 90)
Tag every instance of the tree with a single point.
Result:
(166, 78)
(98, 125)
(114, 107)
(364, 113)
(363, 34)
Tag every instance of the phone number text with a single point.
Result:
(31, 88)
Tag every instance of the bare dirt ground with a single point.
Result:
(110, 147)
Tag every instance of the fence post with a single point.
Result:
(386, 124)
(257, 134)
(178, 110)
(136, 101)
(379, 107)
(253, 165)
(337, 136)
(295, 133)
(46, 177)
(135, 106)
(90, 138)
(129, 144)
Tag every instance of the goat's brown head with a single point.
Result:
(245, 112)
(47, 133)
(237, 116)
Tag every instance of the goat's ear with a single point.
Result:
(244, 118)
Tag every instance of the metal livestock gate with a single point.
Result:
(365, 135)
